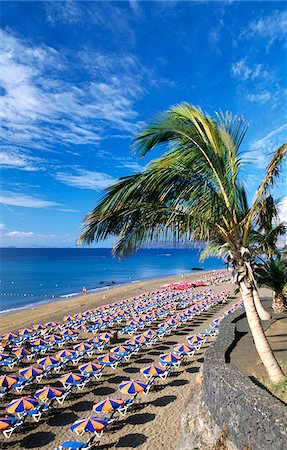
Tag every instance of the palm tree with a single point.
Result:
(269, 229)
(190, 192)
(273, 275)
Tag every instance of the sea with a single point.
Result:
(30, 276)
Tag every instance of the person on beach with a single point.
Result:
(84, 291)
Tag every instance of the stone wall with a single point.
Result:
(252, 416)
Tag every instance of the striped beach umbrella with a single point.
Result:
(30, 372)
(90, 367)
(83, 347)
(38, 327)
(183, 349)
(152, 371)
(40, 342)
(149, 333)
(131, 343)
(169, 358)
(106, 336)
(80, 328)
(65, 354)
(107, 359)
(51, 324)
(121, 350)
(195, 339)
(69, 319)
(48, 361)
(53, 338)
(21, 405)
(94, 340)
(90, 424)
(48, 393)
(20, 352)
(25, 331)
(132, 387)
(8, 381)
(141, 339)
(5, 423)
(108, 405)
(71, 377)
(9, 336)
(68, 332)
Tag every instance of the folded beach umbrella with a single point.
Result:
(107, 359)
(152, 371)
(183, 349)
(65, 354)
(30, 372)
(5, 423)
(25, 331)
(48, 361)
(21, 404)
(9, 336)
(121, 350)
(48, 393)
(90, 367)
(169, 358)
(8, 381)
(90, 424)
(108, 405)
(70, 378)
(20, 351)
(132, 387)
(83, 347)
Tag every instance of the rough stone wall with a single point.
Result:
(251, 415)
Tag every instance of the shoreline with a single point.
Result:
(56, 309)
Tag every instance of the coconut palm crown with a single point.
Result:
(191, 192)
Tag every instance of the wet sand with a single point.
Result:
(56, 310)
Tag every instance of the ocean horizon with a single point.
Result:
(31, 276)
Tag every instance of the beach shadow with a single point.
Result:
(144, 361)
(192, 370)
(84, 405)
(132, 440)
(37, 440)
(103, 391)
(140, 419)
(131, 369)
(164, 401)
(117, 379)
(60, 420)
(178, 382)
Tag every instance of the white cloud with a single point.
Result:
(261, 149)
(271, 28)
(40, 102)
(31, 239)
(261, 98)
(246, 72)
(2, 226)
(15, 199)
(85, 179)
(11, 158)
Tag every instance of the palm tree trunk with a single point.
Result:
(279, 303)
(262, 345)
(262, 313)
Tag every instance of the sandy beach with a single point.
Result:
(154, 422)
(55, 310)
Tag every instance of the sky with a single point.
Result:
(79, 79)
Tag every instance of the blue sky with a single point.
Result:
(78, 79)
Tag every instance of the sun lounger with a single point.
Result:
(123, 409)
(15, 423)
(21, 383)
(38, 411)
(75, 445)
(9, 362)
